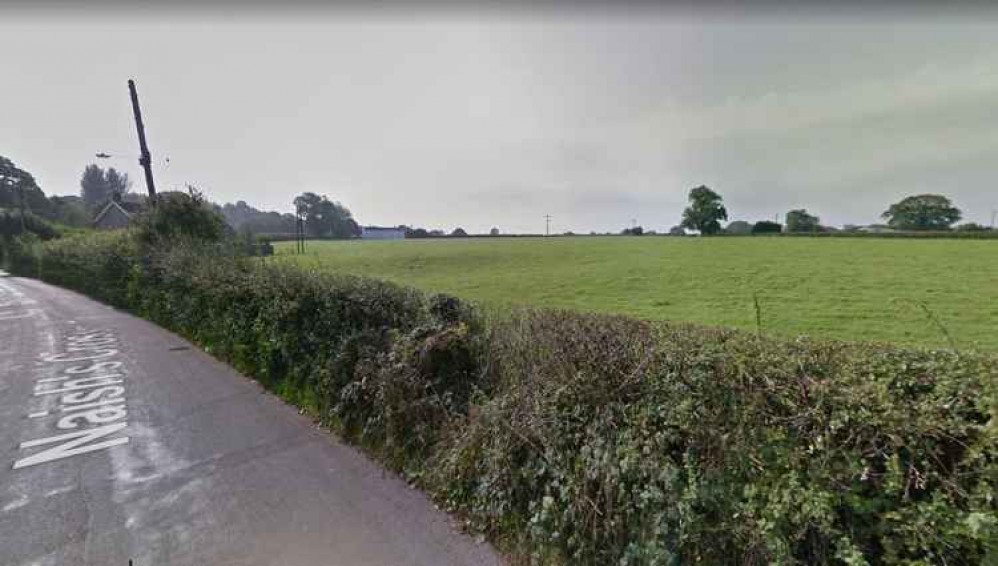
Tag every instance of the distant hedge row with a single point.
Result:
(949, 234)
(583, 439)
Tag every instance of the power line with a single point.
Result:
(547, 224)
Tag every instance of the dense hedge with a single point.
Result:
(583, 439)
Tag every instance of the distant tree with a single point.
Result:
(677, 231)
(922, 212)
(118, 184)
(800, 221)
(93, 187)
(248, 220)
(416, 232)
(635, 231)
(459, 233)
(851, 228)
(767, 227)
(494, 232)
(436, 234)
(71, 211)
(738, 228)
(325, 218)
(705, 211)
(972, 227)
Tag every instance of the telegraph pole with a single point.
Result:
(547, 224)
(994, 214)
(300, 228)
(145, 160)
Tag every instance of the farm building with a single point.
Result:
(118, 212)
(112, 217)
(378, 233)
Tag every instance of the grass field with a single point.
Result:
(850, 289)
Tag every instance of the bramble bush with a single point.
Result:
(587, 439)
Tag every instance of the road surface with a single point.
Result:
(120, 441)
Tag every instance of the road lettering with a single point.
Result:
(90, 396)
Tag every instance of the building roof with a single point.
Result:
(111, 205)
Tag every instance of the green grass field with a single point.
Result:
(850, 289)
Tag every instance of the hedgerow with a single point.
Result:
(586, 439)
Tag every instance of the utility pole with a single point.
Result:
(994, 214)
(145, 160)
(300, 228)
(547, 224)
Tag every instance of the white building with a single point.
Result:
(378, 233)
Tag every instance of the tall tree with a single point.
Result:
(118, 184)
(922, 212)
(325, 218)
(800, 221)
(705, 211)
(94, 187)
(18, 189)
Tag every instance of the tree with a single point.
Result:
(767, 227)
(677, 231)
(93, 187)
(71, 211)
(738, 228)
(416, 232)
(705, 211)
(800, 221)
(118, 184)
(635, 231)
(922, 212)
(325, 218)
(178, 215)
(18, 190)
(459, 233)
(494, 232)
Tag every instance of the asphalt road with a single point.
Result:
(120, 441)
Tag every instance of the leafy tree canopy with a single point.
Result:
(178, 216)
(705, 211)
(800, 221)
(738, 228)
(15, 184)
(767, 227)
(325, 218)
(98, 186)
(922, 212)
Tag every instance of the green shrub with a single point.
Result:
(585, 439)
(179, 216)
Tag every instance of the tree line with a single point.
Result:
(326, 218)
(917, 213)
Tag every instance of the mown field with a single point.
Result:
(850, 289)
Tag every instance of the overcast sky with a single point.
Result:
(481, 119)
